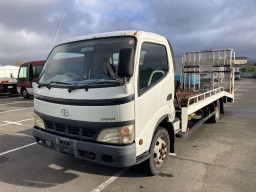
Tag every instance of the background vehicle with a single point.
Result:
(23, 84)
(8, 79)
(238, 75)
(126, 111)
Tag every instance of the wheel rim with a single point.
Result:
(24, 92)
(160, 151)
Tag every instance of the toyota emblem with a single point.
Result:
(64, 112)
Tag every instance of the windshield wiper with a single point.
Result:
(48, 85)
(86, 86)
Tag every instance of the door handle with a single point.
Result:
(169, 97)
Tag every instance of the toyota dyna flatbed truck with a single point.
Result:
(111, 98)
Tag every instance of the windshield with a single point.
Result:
(237, 73)
(80, 63)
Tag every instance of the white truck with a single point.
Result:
(8, 79)
(110, 98)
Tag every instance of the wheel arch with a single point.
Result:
(163, 122)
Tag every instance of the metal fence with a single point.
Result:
(208, 69)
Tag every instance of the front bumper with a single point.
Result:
(116, 156)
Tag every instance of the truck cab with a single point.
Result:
(107, 119)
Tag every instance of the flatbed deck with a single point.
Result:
(191, 102)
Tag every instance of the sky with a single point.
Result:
(28, 27)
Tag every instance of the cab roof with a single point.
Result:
(138, 34)
(38, 62)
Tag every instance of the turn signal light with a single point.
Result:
(125, 130)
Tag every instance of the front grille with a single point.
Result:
(49, 125)
(60, 127)
(77, 132)
(88, 132)
(73, 130)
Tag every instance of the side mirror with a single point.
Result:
(11, 75)
(30, 73)
(109, 69)
(125, 63)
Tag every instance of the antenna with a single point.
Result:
(58, 29)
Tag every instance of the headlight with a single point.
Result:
(39, 122)
(118, 135)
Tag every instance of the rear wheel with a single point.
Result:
(24, 93)
(216, 117)
(159, 151)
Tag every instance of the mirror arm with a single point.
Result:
(120, 80)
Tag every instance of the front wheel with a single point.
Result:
(159, 151)
(24, 93)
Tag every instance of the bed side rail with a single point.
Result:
(202, 96)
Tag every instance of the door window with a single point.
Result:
(23, 72)
(37, 70)
(153, 65)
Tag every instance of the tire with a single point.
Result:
(159, 152)
(222, 109)
(216, 117)
(24, 93)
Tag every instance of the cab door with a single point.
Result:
(155, 89)
(22, 77)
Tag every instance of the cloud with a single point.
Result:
(28, 28)
(22, 44)
(202, 24)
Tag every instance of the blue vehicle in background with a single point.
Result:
(193, 78)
